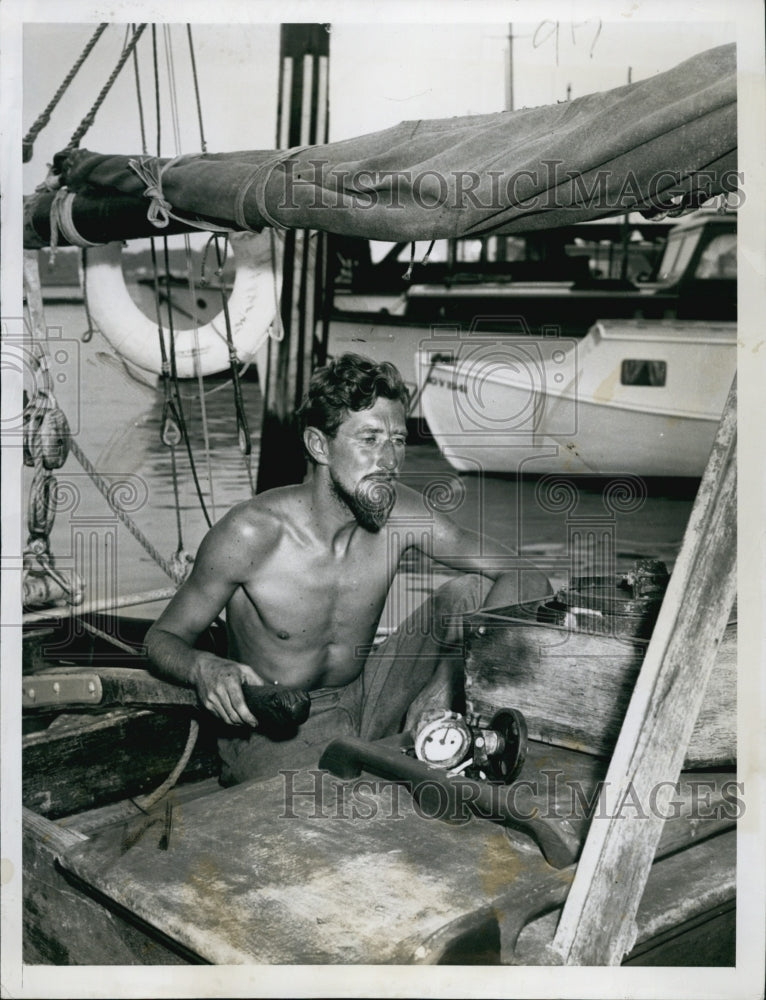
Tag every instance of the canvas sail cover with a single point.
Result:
(665, 142)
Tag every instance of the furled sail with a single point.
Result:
(665, 142)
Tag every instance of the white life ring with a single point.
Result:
(252, 309)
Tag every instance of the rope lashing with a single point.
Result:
(160, 210)
(46, 431)
(43, 118)
(90, 117)
(46, 447)
(41, 512)
(258, 180)
(62, 222)
(150, 173)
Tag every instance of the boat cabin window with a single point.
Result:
(719, 258)
(641, 372)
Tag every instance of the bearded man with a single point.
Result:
(303, 573)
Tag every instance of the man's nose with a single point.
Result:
(388, 459)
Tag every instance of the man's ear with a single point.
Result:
(315, 442)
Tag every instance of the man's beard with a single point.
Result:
(371, 502)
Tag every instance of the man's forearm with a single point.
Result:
(173, 658)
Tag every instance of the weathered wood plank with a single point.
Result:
(351, 871)
(688, 904)
(574, 688)
(348, 874)
(597, 926)
(64, 926)
(93, 820)
(82, 762)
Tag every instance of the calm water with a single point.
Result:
(116, 421)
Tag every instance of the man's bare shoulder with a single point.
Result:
(409, 502)
(253, 528)
(263, 517)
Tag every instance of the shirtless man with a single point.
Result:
(304, 571)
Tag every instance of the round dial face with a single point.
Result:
(443, 742)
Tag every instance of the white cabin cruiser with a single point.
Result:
(633, 396)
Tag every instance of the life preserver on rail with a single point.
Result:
(252, 307)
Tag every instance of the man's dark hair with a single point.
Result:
(350, 383)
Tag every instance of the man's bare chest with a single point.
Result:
(298, 585)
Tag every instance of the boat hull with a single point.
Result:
(566, 407)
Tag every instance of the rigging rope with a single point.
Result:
(90, 117)
(108, 494)
(175, 118)
(243, 429)
(140, 102)
(44, 117)
(202, 142)
(88, 335)
(178, 408)
(171, 72)
(155, 62)
(200, 380)
(435, 360)
(171, 423)
(48, 444)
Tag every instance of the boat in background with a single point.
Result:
(617, 252)
(634, 396)
(696, 280)
(127, 863)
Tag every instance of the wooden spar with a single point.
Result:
(302, 120)
(105, 604)
(597, 925)
(95, 219)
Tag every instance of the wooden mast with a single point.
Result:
(302, 119)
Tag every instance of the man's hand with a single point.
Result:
(219, 688)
